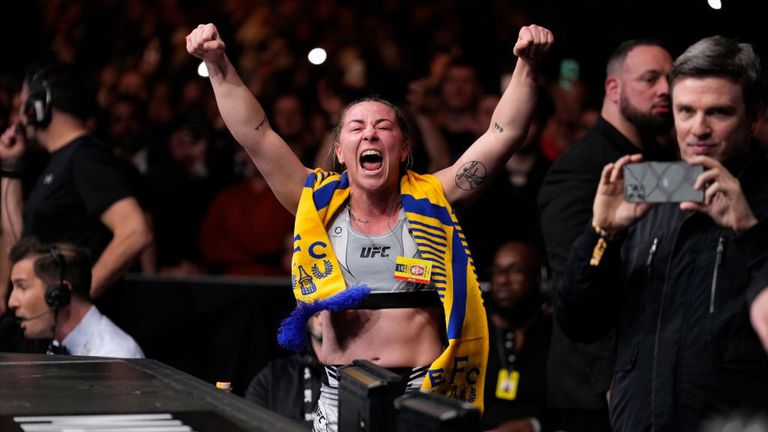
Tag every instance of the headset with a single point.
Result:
(37, 107)
(58, 296)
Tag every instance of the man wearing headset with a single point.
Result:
(82, 196)
(51, 299)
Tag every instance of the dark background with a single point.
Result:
(584, 30)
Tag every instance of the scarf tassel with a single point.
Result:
(293, 329)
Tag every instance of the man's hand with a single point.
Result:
(610, 211)
(724, 200)
(13, 142)
(204, 43)
(758, 314)
(532, 43)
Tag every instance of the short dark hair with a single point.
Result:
(718, 56)
(77, 263)
(619, 55)
(66, 85)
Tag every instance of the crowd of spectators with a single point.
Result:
(161, 116)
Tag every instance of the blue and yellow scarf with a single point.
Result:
(318, 284)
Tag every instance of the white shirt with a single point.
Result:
(96, 335)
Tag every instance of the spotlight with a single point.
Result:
(715, 4)
(202, 70)
(317, 56)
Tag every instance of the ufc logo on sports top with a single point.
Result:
(371, 252)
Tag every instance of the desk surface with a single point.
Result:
(34, 384)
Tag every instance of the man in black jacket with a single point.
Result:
(676, 281)
(634, 114)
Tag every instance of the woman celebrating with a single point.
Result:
(379, 227)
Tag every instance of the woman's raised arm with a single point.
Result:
(246, 120)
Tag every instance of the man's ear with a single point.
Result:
(613, 89)
(760, 118)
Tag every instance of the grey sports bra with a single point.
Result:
(371, 259)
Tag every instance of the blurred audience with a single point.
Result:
(566, 124)
(458, 93)
(181, 188)
(245, 228)
(290, 119)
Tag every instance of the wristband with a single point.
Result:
(601, 232)
(10, 173)
(602, 243)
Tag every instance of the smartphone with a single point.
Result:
(659, 182)
(569, 73)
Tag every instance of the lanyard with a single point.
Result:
(309, 411)
(505, 345)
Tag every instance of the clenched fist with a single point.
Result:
(205, 43)
(532, 43)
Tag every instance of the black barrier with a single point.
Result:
(433, 412)
(214, 328)
(366, 397)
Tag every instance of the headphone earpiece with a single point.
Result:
(58, 296)
(37, 107)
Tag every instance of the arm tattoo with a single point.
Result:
(498, 127)
(471, 175)
(264, 120)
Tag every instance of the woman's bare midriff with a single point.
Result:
(387, 337)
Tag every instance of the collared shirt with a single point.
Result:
(96, 335)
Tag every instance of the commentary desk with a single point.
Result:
(41, 385)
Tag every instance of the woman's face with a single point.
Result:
(372, 145)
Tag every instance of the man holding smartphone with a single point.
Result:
(676, 280)
(635, 117)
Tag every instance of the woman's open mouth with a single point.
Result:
(371, 160)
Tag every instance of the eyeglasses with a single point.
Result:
(510, 271)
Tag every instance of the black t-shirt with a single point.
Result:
(81, 181)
